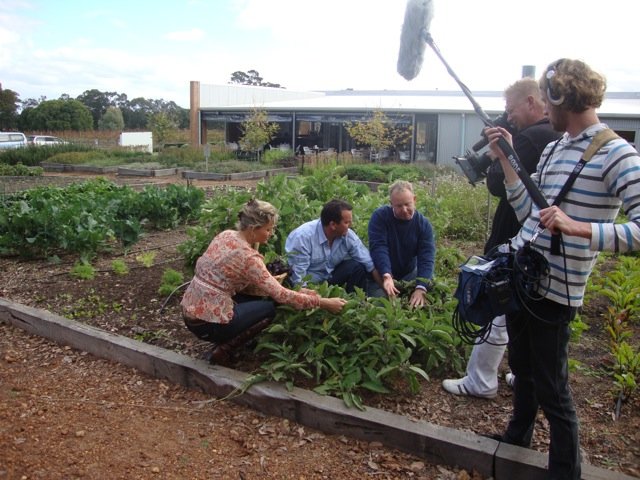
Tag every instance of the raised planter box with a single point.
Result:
(146, 172)
(204, 175)
(285, 170)
(52, 167)
(89, 169)
(248, 175)
(63, 167)
(239, 175)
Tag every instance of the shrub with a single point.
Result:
(456, 210)
(77, 158)
(34, 155)
(389, 172)
(277, 157)
(20, 170)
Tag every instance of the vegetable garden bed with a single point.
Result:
(129, 304)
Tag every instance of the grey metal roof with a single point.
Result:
(239, 97)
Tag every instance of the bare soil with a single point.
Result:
(65, 414)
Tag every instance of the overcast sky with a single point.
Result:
(153, 49)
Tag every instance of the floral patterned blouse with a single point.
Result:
(229, 266)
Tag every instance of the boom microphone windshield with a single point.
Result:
(417, 19)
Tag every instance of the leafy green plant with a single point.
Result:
(218, 213)
(83, 271)
(275, 156)
(171, 279)
(621, 287)
(34, 155)
(90, 306)
(151, 336)
(577, 327)
(370, 346)
(626, 371)
(20, 170)
(119, 267)
(89, 217)
(146, 259)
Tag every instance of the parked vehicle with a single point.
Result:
(12, 140)
(44, 140)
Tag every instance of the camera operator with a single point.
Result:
(525, 111)
(539, 331)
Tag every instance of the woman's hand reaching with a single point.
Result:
(333, 305)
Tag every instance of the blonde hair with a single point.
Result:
(400, 186)
(572, 85)
(522, 88)
(255, 214)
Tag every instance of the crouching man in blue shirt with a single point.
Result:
(327, 249)
(402, 244)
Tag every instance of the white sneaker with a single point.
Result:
(509, 378)
(457, 387)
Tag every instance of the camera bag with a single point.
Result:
(484, 289)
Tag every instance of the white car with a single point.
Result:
(44, 140)
(12, 140)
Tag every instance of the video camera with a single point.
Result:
(475, 166)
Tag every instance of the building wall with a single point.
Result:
(457, 132)
(625, 125)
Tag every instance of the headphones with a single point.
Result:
(553, 96)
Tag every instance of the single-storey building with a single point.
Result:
(444, 124)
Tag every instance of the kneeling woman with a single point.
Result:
(216, 306)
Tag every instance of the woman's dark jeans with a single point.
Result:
(247, 311)
(538, 356)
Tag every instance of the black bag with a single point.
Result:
(485, 289)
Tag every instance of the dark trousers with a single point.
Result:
(349, 274)
(538, 356)
(247, 311)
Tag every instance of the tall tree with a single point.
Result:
(56, 115)
(32, 102)
(111, 120)
(9, 101)
(97, 102)
(252, 77)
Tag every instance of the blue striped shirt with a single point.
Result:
(309, 253)
(609, 181)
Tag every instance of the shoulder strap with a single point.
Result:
(599, 140)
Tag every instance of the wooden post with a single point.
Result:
(194, 127)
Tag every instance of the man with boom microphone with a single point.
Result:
(569, 234)
(525, 111)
